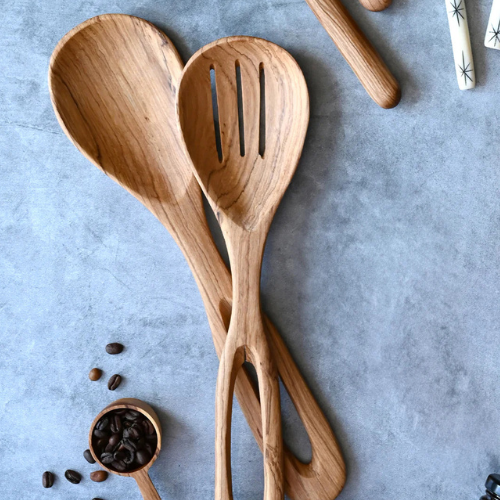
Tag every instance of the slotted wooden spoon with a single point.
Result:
(113, 81)
(263, 112)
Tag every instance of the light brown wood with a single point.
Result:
(375, 5)
(100, 73)
(140, 475)
(364, 60)
(244, 183)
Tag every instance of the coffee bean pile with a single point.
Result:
(124, 440)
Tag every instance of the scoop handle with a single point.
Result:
(232, 359)
(364, 60)
(148, 491)
(375, 5)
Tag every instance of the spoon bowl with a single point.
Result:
(140, 474)
(109, 94)
(263, 112)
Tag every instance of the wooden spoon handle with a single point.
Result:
(324, 477)
(364, 60)
(148, 491)
(375, 5)
(231, 361)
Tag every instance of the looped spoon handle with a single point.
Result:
(247, 341)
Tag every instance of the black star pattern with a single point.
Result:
(457, 10)
(496, 34)
(465, 69)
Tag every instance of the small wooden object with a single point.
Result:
(460, 40)
(263, 117)
(364, 60)
(113, 81)
(141, 475)
(375, 5)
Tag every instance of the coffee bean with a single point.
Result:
(119, 465)
(134, 433)
(114, 439)
(98, 476)
(116, 424)
(150, 428)
(120, 455)
(100, 434)
(129, 445)
(88, 456)
(102, 424)
(102, 443)
(95, 374)
(114, 382)
(107, 457)
(142, 457)
(72, 476)
(129, 459)
(47, 479)
(114, 348)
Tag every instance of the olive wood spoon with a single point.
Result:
(360, 54)
(102, 73)
(244, 179)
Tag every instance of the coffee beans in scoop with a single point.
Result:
(129, 440)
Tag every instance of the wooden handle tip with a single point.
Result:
(375, 5)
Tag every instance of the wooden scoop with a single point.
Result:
(113, 81)
(141, 475)
(244, 161)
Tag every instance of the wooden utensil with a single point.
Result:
(101, 73)
(244, 161)
(375, 5)
(141, 475)
(360, 54)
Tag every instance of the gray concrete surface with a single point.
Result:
(382, 268)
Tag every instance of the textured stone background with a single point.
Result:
(382, 268)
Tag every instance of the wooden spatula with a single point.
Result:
(244, 160)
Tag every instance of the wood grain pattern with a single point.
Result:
(141, 475)
(100, 74)
(364, 60)
(375, 5)
(244, 188)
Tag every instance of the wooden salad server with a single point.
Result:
(360, 54)
(375, 5)
(141, 475)
(244, 155)
(113, 81)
